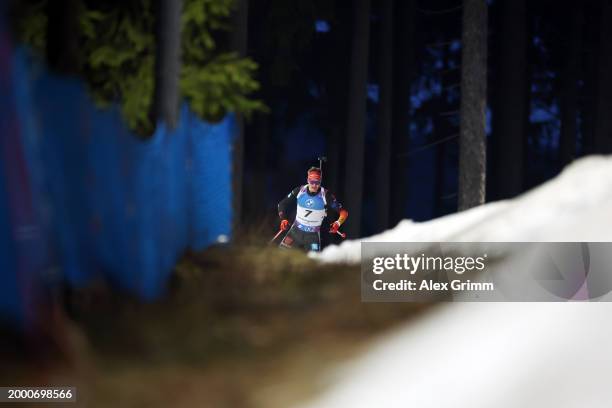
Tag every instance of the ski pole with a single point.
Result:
(276, 236)
(342, 234)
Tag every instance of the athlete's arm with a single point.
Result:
(336, 207)
(285, 203)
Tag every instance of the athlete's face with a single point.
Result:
(314, 185)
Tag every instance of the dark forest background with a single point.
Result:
(548, 95)
(376, 86)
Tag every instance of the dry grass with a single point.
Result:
(241, 326)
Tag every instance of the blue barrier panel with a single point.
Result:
(106, 203)
(10, 301)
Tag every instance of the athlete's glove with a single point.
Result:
(284, 225)
(333, 228)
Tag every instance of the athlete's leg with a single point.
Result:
(289, 240)
(313, 242)
(301, 240)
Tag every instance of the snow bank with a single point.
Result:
(483, 355)
(575, 206)
(495, 354)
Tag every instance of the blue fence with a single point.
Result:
(81, 197)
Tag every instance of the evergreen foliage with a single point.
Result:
(117, 41)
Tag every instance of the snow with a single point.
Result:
(485, 355)
(576, 206)
(494, 354)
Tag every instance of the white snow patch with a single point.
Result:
(482, 355)
(576, 206)
(494, 354)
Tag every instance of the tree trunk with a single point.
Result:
(603, 119)
(256, 201)
(590, 90)
(334, 141)
(239, 44)
(403, 73)
(383, 159)
(510, 114)
(62, 35)
(338, 84)
(472, 144)
(443, 128)
(167, 61)
(258, 130)
(569, 99)
(356, 116)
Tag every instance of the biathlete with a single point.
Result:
(314, 203)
